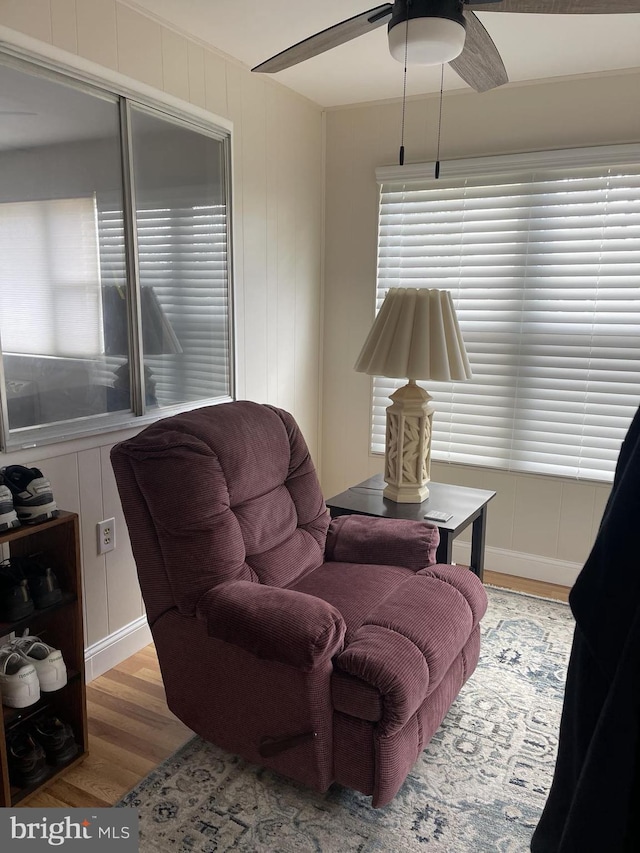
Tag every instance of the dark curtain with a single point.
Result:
(594, 801)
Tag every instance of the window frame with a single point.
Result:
(119, 90)
(564, 164)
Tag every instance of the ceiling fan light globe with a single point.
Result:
(430, 41)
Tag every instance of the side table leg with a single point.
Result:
(444, 554)
(478, 532)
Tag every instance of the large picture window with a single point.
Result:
(542, 256)
(114, 258)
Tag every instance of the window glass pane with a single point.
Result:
(181, 219)
(60, 188)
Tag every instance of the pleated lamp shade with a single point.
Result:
(415, 336)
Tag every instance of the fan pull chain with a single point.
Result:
(440, 123)
(404, 88)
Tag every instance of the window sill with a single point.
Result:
(60, 439)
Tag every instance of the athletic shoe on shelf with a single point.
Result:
(19, 683)
(48, 662)
(8, 517)
(57, 739)
(26, 759)
(32, 494)
(15, 597)
(43, 583)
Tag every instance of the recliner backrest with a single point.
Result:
(228, 492)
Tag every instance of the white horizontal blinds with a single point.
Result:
(182, 249)
(113, 266)
(544, 269)
(50, 278)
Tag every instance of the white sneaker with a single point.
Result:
(48, 662)
(8, 516)
(19, 684)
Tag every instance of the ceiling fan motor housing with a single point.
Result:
(429, 32)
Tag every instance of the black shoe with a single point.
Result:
(26, 758)
(8, 517)
(43, 583)
(15, 598)
(56, 738)
(32, 494)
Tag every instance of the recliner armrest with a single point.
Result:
(382, 541)
(394, 665)
(273, 624)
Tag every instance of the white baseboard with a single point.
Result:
(531, 566)
(115, 648)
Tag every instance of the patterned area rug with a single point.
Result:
(479, 787)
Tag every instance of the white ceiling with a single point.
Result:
(533, 47)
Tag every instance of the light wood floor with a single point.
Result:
(131, 730)
(546, 590)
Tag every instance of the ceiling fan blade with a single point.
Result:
(479, 64)
(558, 7)
(340, 33)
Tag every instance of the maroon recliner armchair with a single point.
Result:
(326, 651)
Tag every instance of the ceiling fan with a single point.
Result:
(431, 32)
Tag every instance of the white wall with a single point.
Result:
(277, 198)
(538, 526)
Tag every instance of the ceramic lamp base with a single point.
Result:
(408, 453)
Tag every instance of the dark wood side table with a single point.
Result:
(467, 506)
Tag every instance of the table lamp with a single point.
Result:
(415, 336)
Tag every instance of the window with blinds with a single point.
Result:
(115, 290)
(542, 256)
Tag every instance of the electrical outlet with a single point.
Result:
(106, 535)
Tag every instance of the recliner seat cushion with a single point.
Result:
(353, 589)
